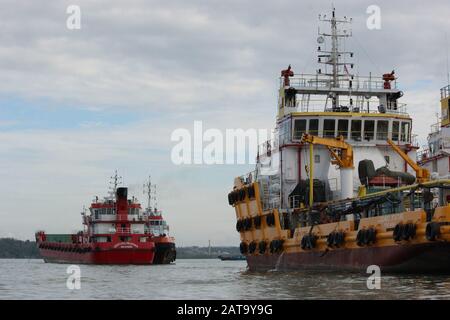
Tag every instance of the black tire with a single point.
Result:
(432, 231)
(366, 171)
(238, 226)
(243, 247)
(372, 236)
(252, 247)
(303, 243)
(331, 239)
(405, 234)
(360, 238)
(341, 238)
(257, 222)
(270, 219)
(412, 230)
(338, 239)
(397, 233)
(262, 246)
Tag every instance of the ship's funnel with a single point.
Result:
(122, 193)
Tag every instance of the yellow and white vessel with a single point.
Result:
(337, 187)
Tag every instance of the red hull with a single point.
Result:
(108, 256)
(421, 258)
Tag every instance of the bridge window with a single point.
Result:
(382, 129)
(313, 127)
(328, 128)
(299, 128)
(356, 130)
(395, 130)
(369, 130)
(343, 128)
(405, 132)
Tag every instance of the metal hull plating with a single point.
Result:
(165, 252)
(418, 258)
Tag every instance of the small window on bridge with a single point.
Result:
(299, 128)
(356, 130)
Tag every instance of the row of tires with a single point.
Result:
(408, 231)
(275, 246)
(240, 194)
(64, 249)
(336, 239)
(255, 222)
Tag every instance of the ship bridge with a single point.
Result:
(333, 102)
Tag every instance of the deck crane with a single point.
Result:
(422, 174)
(342, 155)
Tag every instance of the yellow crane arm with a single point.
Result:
(345, 160)
(422, 174)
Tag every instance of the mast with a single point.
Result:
(333, 57)
(115, 181)
(150, 192)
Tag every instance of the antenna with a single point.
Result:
(335, 57)
(150, 191)
(448, 72)
(115, 181)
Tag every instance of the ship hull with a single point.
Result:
(419, 258)
(109, 256)
(165, 253)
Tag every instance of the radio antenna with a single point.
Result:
(448, 71)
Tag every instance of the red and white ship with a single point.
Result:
(116, 231)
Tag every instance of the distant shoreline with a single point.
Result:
(19, 249)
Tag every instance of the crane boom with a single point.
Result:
(341, 154)
(345, 159)
(422, 174)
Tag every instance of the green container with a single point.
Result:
(63, 238)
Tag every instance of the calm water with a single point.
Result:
(204, 279)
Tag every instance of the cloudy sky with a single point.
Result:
(77, 104)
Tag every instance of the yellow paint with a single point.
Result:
(422, 174)
(351, 114)
(260, 211)
(362, 191)
(445, 111)
(345, 160)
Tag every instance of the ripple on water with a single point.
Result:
(205, 279)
